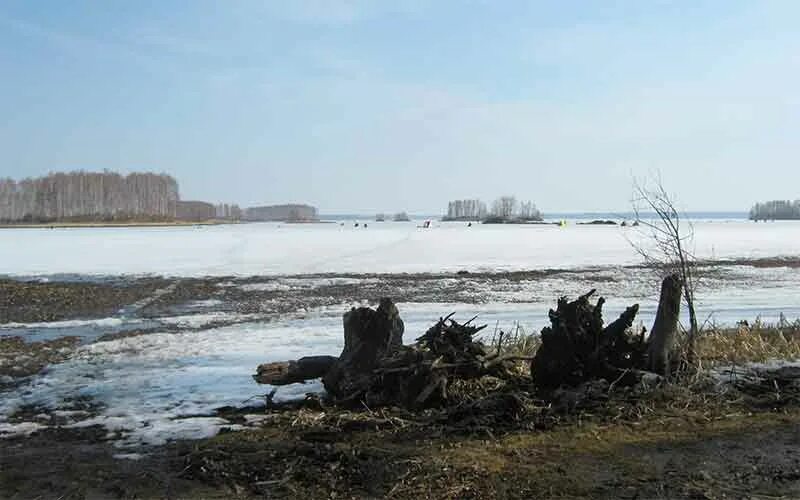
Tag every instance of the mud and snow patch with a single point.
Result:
(128, 456)
(204, 319)
(260, 419)
(73, 323)
(87, 330)
(157, 387)
(164, 385)
(305, 283)
(137, 306)
(19, 429)
(204, 304)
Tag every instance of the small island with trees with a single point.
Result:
(505, 210)
(775, 210)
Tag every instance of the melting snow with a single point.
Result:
(162, 386)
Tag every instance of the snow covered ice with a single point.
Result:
(166, 384)
(260, 249)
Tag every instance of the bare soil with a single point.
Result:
(326, 453)
(38, 301)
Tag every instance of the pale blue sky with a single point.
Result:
(385, 106)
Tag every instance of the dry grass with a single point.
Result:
(515, 342)
(749, 342)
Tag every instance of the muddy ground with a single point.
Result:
(726, 452)
(657, 447)
(70, 297)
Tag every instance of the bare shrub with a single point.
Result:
(668, 246)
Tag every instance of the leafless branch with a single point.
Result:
(669, 238)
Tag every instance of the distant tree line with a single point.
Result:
(398, 217)
(401, 217)
(504, 209)
(776, 210)
(466, 210)
(83, 195)
(228, 211)
(195, 211)
(286, 213)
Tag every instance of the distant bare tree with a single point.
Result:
(505, 207)
(466, 210)
(528, 211)
(670, 239)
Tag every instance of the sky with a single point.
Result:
(369, 106)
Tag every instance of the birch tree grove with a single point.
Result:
(776, 210)
(466, 210)
(88, 195)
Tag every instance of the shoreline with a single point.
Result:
(70, 225)
(779, 261)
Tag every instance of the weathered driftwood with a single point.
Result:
(292, 372)
(662, 336)
(376, 369)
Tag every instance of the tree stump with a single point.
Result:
(369, 335)
(577, 348)
(665, 326)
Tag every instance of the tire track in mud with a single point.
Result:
(136, 307)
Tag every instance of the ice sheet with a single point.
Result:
(256, 249)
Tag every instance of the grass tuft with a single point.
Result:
(515, 342)
(749, 342)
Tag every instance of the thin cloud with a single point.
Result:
(343, 11)
(80, 46)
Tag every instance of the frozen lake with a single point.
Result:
(269, 249)
(200, 355)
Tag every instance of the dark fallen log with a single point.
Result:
(293, 372)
